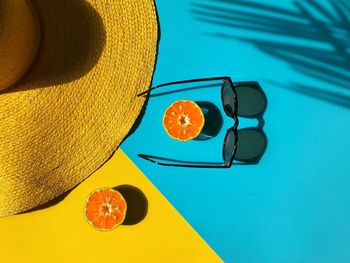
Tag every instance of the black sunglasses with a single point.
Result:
(232, 96)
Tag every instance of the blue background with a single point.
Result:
(294, 205)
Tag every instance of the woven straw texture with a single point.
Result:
(78, 101)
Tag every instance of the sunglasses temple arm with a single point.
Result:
(147, 91)
(151, 159)
(181, 82)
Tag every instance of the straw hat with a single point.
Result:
(70, 71)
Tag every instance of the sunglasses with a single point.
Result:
(244, 99)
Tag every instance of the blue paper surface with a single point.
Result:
(293, 206)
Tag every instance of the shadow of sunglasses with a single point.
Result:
(252, 101)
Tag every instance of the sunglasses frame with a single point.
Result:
(225, 164)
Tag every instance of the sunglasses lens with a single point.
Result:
(252, 100)
(228, 99)
(251, 145)
(229, 146)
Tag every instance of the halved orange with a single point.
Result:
(183, 120)
(105, 209)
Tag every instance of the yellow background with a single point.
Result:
(61, 234)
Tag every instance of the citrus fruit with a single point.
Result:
(183, 120)
(105, 209)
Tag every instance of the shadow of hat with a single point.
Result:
(72, 40)
(71, 37)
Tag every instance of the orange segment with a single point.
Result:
(183, 120)
(105, 209)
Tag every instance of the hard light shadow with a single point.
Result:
(213, 120)
(53, 202)
(251, 145)
(137, 204)
(69, 48)
(252, 100)
(326, 96)
(325, 24)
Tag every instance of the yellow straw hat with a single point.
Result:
(70, 71)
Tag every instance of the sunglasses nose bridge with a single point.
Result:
(236, 122)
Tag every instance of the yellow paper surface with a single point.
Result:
(61, 234)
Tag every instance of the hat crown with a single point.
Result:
(19, 39)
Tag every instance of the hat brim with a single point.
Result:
(77, 103)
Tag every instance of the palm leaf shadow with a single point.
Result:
(327, 26)
(324, 95)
